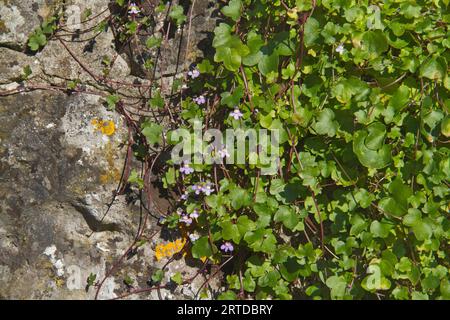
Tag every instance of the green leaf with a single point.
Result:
(26, 72)
(91, 279)
(249, 283)
(201, 248)
(177, 14)
(152, 131)
(380, 229)
(227, 295)
(37, 40)
(264, 213)
(434, 68)
(400, 98)
(232, 99)
(287, 216)
(169, 178)
(369, 146)
(254, 43)
(157, 101)
(244, 224)
(230, 58)
(325, 123)
(346, 89)
(397, 205)
(445, 289)
(112, 101)
(445, 126)
(431, 282)
(419, 296)
(229, 48)
(338, 286)
(312, 31)
(230, 231)
(233, 9)
(205, 66)
(374, 43)
(158, 276)
(153, 42)
(177, 278)
(128, 280)
(410, 10)
(423, 230)
(413, 217)
(261, 240)
(135, 178)
(269, 63)
(239, 198)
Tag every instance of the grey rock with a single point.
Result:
(12, 64)
(18, 19)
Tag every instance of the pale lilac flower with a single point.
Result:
(185, 219)
(200, 100)
(180, 211)
(186, 169)
(134, 9)
(207, 188)
(194, 73)
(223, 153)
(340, 49)
(184, 196)
(227, 247)
(236, 114)
(195, 214)
(194, 237)
(197, 189)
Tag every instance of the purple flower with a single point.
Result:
(185, 219)
(186, 169)
(194, 237)
(340, 49)
(194, 73)
(184, 196)
(227, 247)
(236, 114)
(207, 188)
(197, 189)
(200, 100)
(195, 214)
(134, 9)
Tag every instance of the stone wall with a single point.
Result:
(58, 174)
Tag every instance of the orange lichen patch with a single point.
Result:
(106, 127)
(168, 250)
(112, 174)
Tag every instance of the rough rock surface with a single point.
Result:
(20, 18)
(58, 174)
